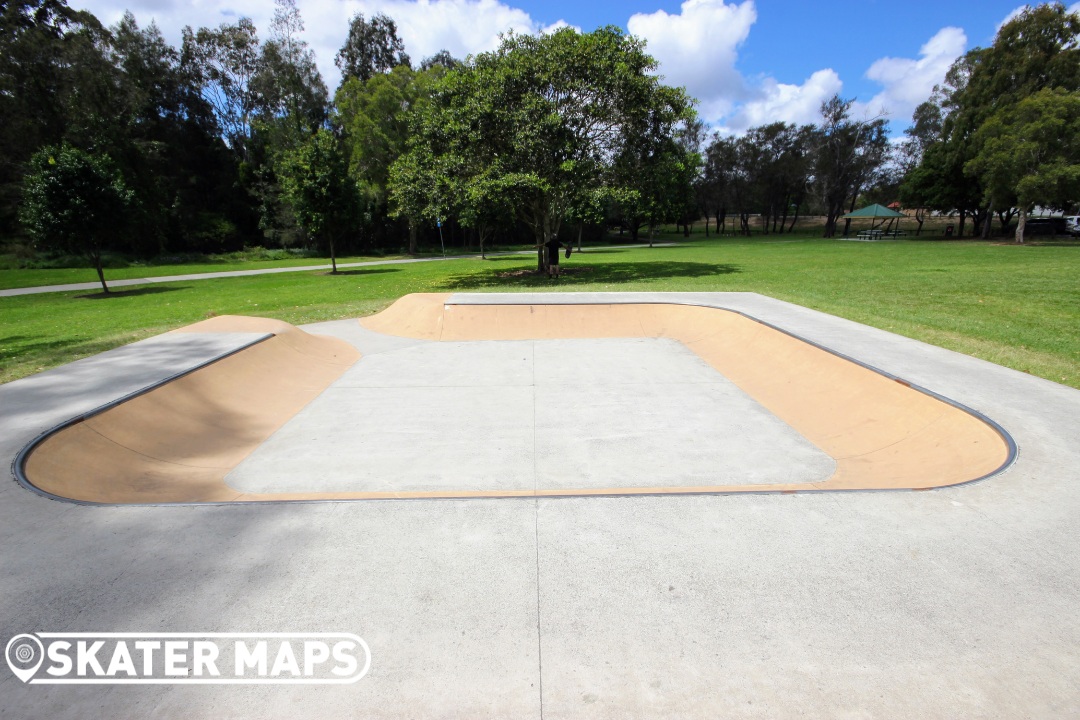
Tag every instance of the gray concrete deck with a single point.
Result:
(959, 602)
(552, 414)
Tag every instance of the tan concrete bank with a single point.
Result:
(177, 442)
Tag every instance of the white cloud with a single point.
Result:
(775, 101)
(697, 49)
(907, 82)
(425, 26)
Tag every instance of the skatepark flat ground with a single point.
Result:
(951, 602)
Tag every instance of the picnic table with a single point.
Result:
(879, 234)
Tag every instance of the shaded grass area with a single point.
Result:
(1013, 305)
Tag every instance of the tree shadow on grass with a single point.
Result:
(614, 273)
(151, 290)
(363, 271)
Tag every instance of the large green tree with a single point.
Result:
(1031, 153)
(73, 200)
(376, 120)
(547, 116)
(1036, 50)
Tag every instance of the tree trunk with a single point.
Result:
(854, 199)
(412, 238)
(580, 226)
(794, 219)
(960, 230)
(1020, 225)
(333, 258)
(100, 272)
(920, 217)
(986, 221)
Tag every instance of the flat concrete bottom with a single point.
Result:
(521, 415)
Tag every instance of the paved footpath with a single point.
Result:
(71, 287)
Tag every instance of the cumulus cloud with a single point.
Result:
(907, 82)
(425, 26)
(697, 49)
(775, 101)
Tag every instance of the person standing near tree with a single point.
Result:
(553, 245)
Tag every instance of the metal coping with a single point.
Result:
(19, 463)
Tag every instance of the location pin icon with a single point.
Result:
(24, 654)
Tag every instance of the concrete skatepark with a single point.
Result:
(572, 505)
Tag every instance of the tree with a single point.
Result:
(1036, 50)
(72, 201)
(228, 58)
(549, 115)
(847, 154)
(316, 181)
(56, 83)
(1031, 154)
(375, 118)
(372, 47)
(442, 59)
(292, 98)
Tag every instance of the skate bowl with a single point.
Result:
(177, 441)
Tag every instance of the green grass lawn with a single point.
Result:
(20, 278)
(1013, 305)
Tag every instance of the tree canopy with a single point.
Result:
(959, 134)
(73, 200)
(541, 121)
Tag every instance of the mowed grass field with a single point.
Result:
(1018, 306)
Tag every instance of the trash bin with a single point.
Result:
(948, 231)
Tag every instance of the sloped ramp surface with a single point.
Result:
(883, 433)
(177, 442)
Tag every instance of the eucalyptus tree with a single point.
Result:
(847, 154)
(372, 47)
(442, 59)
(229, 59)
(292, 98)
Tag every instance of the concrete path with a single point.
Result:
(958, 602)
(70, 287)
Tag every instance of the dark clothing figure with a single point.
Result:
(553, 246)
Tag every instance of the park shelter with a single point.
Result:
(873, 212)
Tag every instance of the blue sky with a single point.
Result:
(748, 62)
